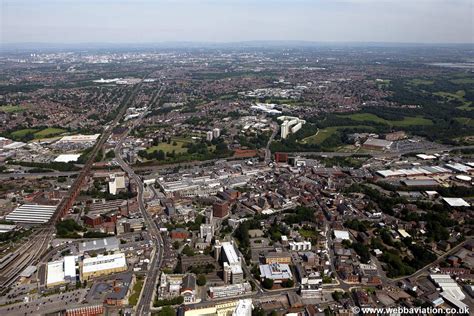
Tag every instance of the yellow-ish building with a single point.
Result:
(217, 309)
(278, 257)
(103, 265)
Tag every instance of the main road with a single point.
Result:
(145, 301)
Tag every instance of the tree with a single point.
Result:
(167, 311)
(188, 251)
(288, 283)
(267, 283)
(201, 280)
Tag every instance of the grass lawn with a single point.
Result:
(137, 288)
(463, 81)
(465, 120)
(322, 134)
(22, 132)
(11, 108)
(168, 148)
(50, 131)
(307, 233)
(418, 82)
(459, 95)
(407, 121)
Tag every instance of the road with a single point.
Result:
(146, 297)
(268, 153)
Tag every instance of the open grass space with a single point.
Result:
(23, 132)
(50, 131)
(11, 108)
(137, 288)
(459, 95)
(419, 82)
(463, 81)
(465, 121)
(168, 148)
(322, 134)
(407, 121)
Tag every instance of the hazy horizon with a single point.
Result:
(233, 21)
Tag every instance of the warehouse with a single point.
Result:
(31, 214)
(103, 265)
(105, 244)
(61, 271)
(378, 144)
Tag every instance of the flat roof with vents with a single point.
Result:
(32, 214)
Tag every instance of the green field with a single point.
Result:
(307, 233)
(137, 288)
(407, 121)
(23, 132)
(463, 81)
(465, 121)
(459, 95)
(11, 108)
(320, 136)
(418, 82)
(168, 148)
(327, 132)
(50, 131)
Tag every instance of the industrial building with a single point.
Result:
(104, 244)
(103, 265)
(31, 214)
(276, 272)
(191, 187)
(378, 144)
(116, 183)
(61, 271)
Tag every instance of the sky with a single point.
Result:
(155, 21)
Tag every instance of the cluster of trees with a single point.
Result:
(68, 229)
(356, 224)
(300, 214)
(201, 269)
(168, 302)
(195, 151)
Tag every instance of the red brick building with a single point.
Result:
(220, 209)
(179, 233)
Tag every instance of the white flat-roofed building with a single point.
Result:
(244, 308)
(458, 167)
(67, 158)
(300, 245)
(225, 253)
(456, 202)
(341, 234)
(61, 271)
(451, 291)
(107, 244)
(276, 272)
(7, 228)
(103, 265)
(55, 273)
(230, 290)
(79, 138)
(32, 214)
(426, 157)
